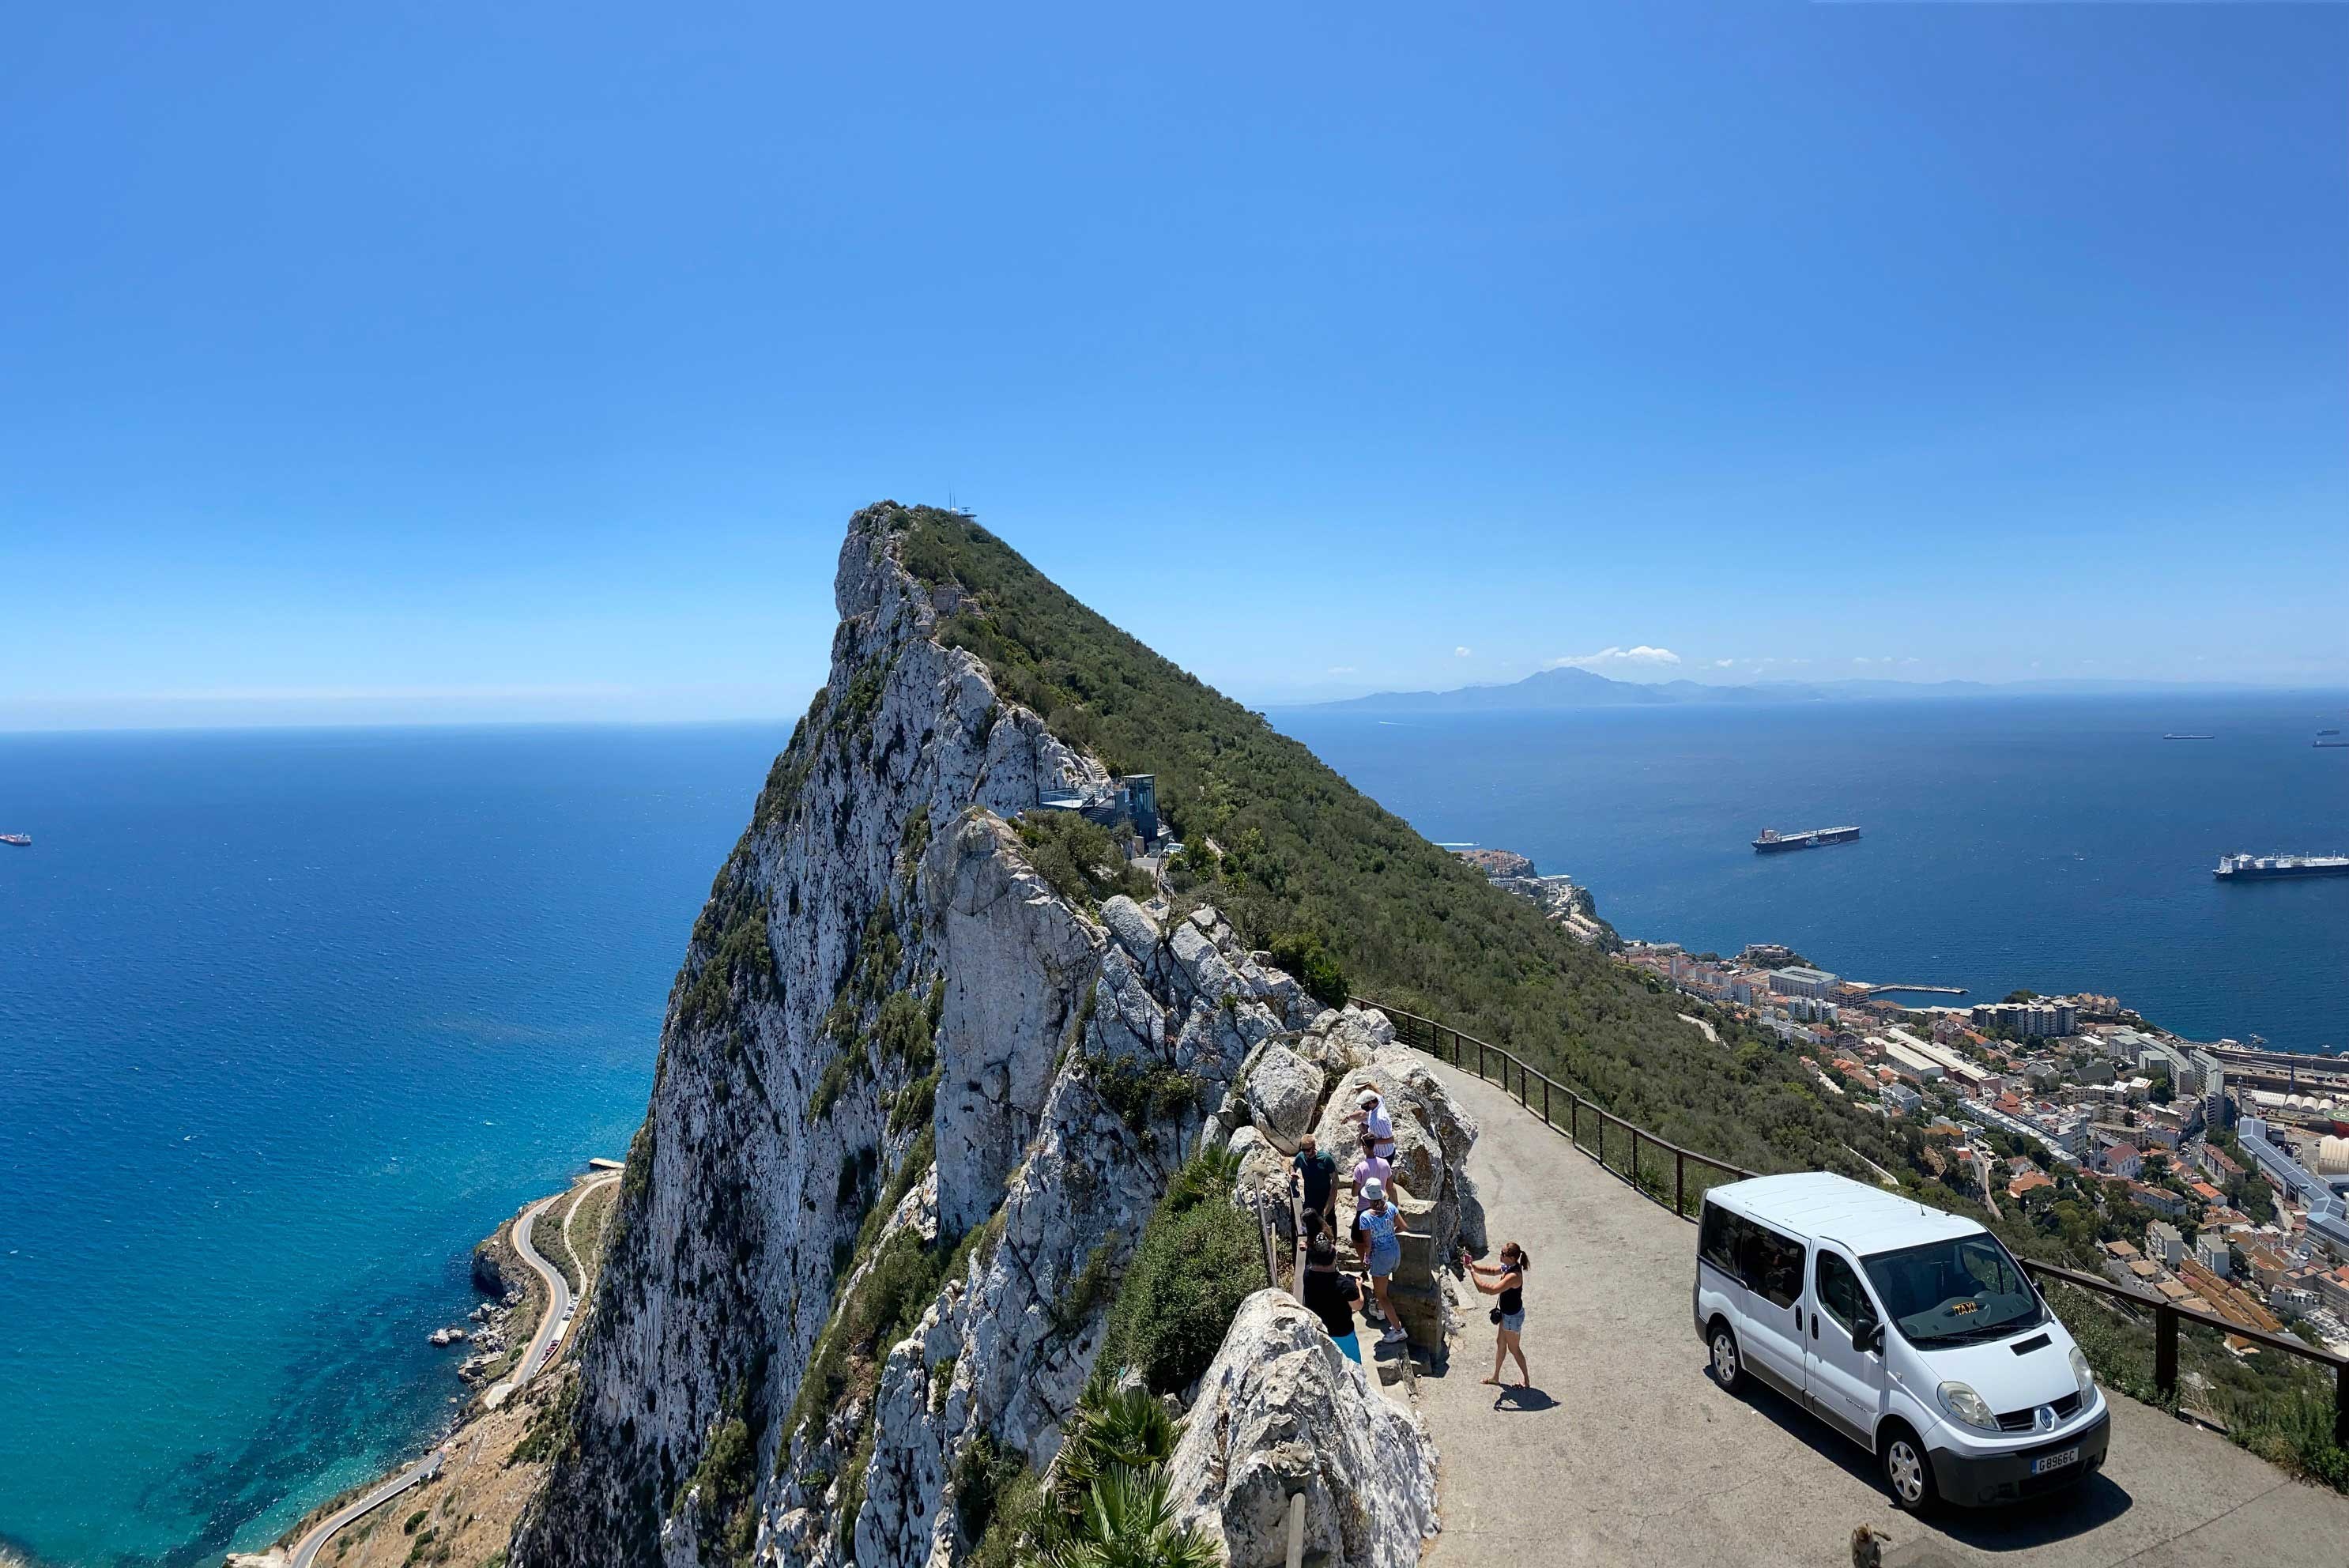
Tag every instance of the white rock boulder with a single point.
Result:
(1283, 1412)
(1283, 1090)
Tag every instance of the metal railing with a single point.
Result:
(2168, 1318)
(1467, 1052)
(1548, 1099)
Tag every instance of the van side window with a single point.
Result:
(1716, 1239)
(1773, 1265)
(1839, 1292)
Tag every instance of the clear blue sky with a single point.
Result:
(525, 360)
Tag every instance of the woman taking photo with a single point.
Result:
(1507, 1280)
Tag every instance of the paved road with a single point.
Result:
(553, 1320)
(305, 1550)
(556, 1318)
(1630, 1454)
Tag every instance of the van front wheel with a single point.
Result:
(1908, 1474)
(1728, 1367)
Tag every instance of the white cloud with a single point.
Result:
(1859, 660)
(1460, 653)
(1641, 654)
(1341, 669)
(1722, 663)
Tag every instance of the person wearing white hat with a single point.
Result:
(1378, 1127)
(1374, 1234)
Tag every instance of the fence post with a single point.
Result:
(1635, 1158)
(2341, 1405)
(1680, 1184)
(2165, 1349)
(1524, 1088)
(1546, 1104)
(1480, 1058)
(1574, 1119)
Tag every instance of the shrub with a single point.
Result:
(1078, 858)
(1198, 1259)
(1303, 954)
(1088, 1287)
(1143, 1092)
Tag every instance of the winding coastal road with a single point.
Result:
(305, 1550)
(557, 1319)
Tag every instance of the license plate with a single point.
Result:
(2054, 1461)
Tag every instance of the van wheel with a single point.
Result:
(1908, 1473)
(1728, 1367)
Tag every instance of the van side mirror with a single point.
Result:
(1867, 1334)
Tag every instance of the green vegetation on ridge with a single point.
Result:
(1313, 869)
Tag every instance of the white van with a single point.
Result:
(1912, 1331)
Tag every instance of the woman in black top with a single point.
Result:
(1507, 1280)
(1331, 1295)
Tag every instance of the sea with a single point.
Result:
(2053, 844)
(289, 1019)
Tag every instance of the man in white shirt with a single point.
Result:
(1377, 1127)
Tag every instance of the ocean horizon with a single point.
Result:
(2049, 843)
(294, 1016)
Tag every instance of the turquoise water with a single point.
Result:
(287, 1021)
(2057, 844)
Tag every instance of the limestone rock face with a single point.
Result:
(1282, 1411)
(1283, 1091)
(880, 974)
(1020, 964)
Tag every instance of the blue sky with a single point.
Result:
(526, 361)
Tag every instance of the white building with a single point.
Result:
(1799, 981)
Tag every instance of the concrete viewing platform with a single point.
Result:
(1629, 1453)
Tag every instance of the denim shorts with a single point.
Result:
(1513, 1321)
(1385, 1260)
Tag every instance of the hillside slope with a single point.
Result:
(1307, 859)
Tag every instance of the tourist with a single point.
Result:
(1378, 1127)
(1315, 1181)
(1331, 1295)
(1374, 1235)
(1370, 1167)
(1506, 1279)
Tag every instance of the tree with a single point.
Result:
(2022, 996)
(2161, 1093)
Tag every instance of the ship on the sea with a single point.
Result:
(2189, 737)
(21, 840)
(1772, 841)
(2261, 868)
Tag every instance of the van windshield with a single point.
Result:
(1954, 1292)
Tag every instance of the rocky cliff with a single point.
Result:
(913, 1105)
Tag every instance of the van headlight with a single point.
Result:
(1969, 1406)
(2082, 1376)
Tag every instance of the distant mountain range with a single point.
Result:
(1570, 687)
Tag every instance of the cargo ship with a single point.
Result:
(2189, 737)
(1772, 841)
(2261, 868)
